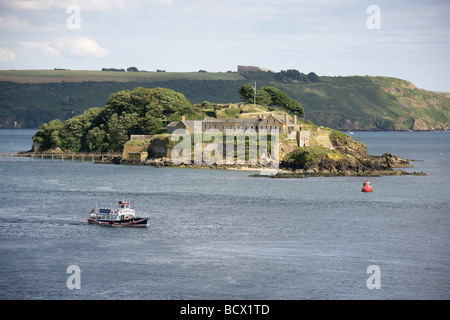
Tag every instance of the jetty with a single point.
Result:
(100, 158)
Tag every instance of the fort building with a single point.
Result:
(293, 134)
(282, 123)
(244, 69)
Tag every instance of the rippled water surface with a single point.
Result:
(217, 234)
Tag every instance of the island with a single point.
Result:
(267, 129)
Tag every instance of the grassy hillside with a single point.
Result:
(32, 97)
(45, 76)
(372, 103)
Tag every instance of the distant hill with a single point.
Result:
(29, 98)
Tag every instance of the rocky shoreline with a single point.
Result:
(385, 165)
(377, 173)
(392, 163)
(347, 158)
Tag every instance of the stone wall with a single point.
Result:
(141, 137)
(320, 138)
(133, 149)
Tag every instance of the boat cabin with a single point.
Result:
(123, 212)
(124, 205)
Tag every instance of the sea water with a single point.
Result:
(218, 234)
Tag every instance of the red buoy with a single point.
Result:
(367, 187)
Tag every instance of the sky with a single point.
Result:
(403, 39)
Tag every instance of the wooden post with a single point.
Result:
(32, 158)
(52, 158)
(42, 158)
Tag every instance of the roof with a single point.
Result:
(173, 124)
(187, 123)
(190, 123)
(236, 120)
(280, 117)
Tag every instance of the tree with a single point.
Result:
(96, 139)
(50, 135)
(118, 102)
(263, 98)
(246, 93)
(138, 111)
(132, 69)
(151, 125)
(117, 132)
(170, 101)
(283, 101)
(313, 77)
(291, 75)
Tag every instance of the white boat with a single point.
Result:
(123, 216)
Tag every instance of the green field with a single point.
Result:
(43, 76)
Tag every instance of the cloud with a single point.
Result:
(10, 23)
(40, 48)
(26, 4)
(6, 55)
(73, 46)
(80, 47)
(88, 5)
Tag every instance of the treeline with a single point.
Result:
(113, 69)
(130, 69)
(295, 75)
(284, 76)
(127, 112)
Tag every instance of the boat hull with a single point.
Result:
(134, 222)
